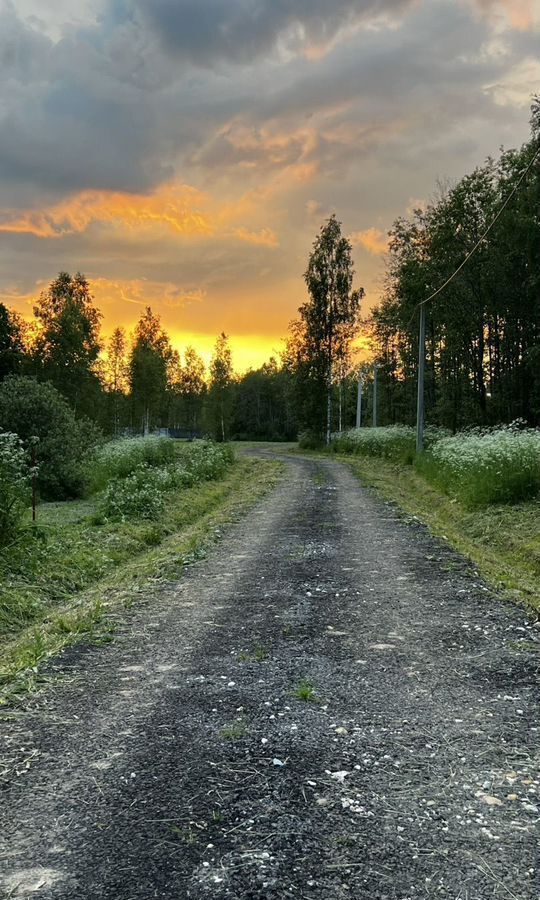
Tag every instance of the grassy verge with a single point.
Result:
(88, 570)
(502, 540)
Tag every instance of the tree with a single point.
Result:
(67, 345)
(32, 410)
(321, 338)
(148, 370)
(220, 391)
(12, 348)
(116, 373)
(192, 387)
(483, 329)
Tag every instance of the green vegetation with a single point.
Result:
(481, 468)
(14, 486)
(304, 690)
(118, 459)
(502, 540)
(258, 654)
(235, 731)
(59, 580)
(41, 417)
(478, 466)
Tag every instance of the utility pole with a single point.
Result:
(375, 394)
(421, 373)
(359, 400)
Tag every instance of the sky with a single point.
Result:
(183, 154)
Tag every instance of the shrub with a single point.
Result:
(393, 442)
(14, 485)
(139, 495)
(32, 409)
(478, 467)
(142, 493)
(307, 440)
(118, 459)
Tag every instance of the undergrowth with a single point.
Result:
(56, 588)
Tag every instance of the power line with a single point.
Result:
(482, 238)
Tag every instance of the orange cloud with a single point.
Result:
(144, 292)
(263, 238)
(173, 206)
(521, 14)
(371, 239)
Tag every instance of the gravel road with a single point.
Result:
(331, 706)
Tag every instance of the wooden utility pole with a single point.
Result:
(421, 378)
(375, 394)
(359, 400)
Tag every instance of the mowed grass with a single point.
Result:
(503, 540)
(57, 590)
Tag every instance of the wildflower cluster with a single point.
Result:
(142, 494)
(118, 459)
(14, 484)
(392, 442)
(500, 465)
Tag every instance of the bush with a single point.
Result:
(478, 467)
(32, 409)
(142, 493)
(396, 443)
(118, 459)
(307, 440)
(14, 485)
(393, 442)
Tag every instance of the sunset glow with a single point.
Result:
(191, 162)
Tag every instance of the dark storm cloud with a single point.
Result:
(207, 31)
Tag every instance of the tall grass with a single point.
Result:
(396, 443)
(142, 493)
(484, 467)
(478, 467)
(118, 459)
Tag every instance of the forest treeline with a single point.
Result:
(137, 383)
(483, 330)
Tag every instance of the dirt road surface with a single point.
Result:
(331, 706)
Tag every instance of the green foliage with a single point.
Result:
(11, 342)
(501, 465)
(477, 466)
(14, 485)
(31, 410)
(220, 394)
(304, 690)
(118, 459)
(263, 408)
(394, 442)
(318, 350)
(148, 370)
(483, 329)
(309, 441)
(67, 346)
(141, 493)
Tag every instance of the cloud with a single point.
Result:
(263, 238)
(144, 292)
(174, 207)
(205, 32)
(371, 239)
(520, 14)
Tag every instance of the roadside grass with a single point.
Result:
(234, 732)
(64, 591)
(305, 691)
(502, 540)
